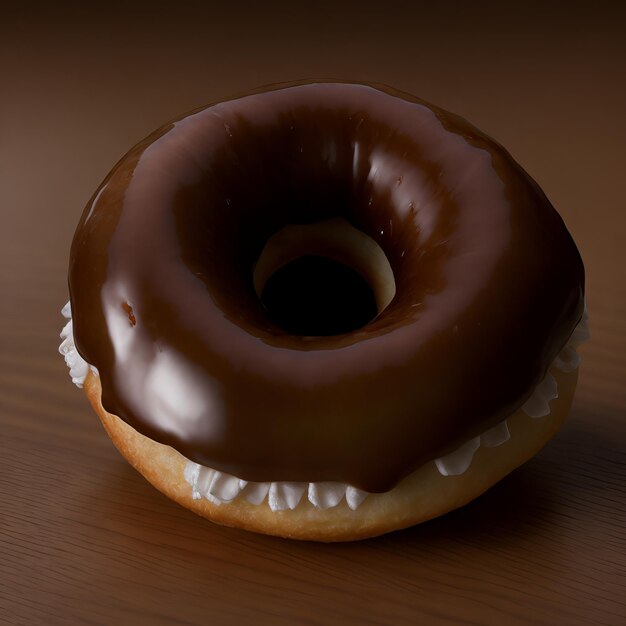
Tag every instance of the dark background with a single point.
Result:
(83, 539)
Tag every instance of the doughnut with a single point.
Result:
(324, 311)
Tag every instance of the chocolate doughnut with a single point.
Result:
(476, 290)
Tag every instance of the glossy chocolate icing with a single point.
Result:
(489, 285)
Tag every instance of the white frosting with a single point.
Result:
(77, 365)
(219, 487)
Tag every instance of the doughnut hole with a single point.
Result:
(322, 279)
(305, 167)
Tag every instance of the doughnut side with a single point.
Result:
(421, 496)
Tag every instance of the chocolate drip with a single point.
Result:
(489, 285)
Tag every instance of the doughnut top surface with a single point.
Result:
(489, 285)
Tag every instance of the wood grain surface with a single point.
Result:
(83, 538)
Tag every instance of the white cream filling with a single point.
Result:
(220, 487)
(77, 365)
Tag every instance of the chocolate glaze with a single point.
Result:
(489, 285)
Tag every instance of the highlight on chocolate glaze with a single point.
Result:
(317, 294)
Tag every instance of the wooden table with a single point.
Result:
(83, 538)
